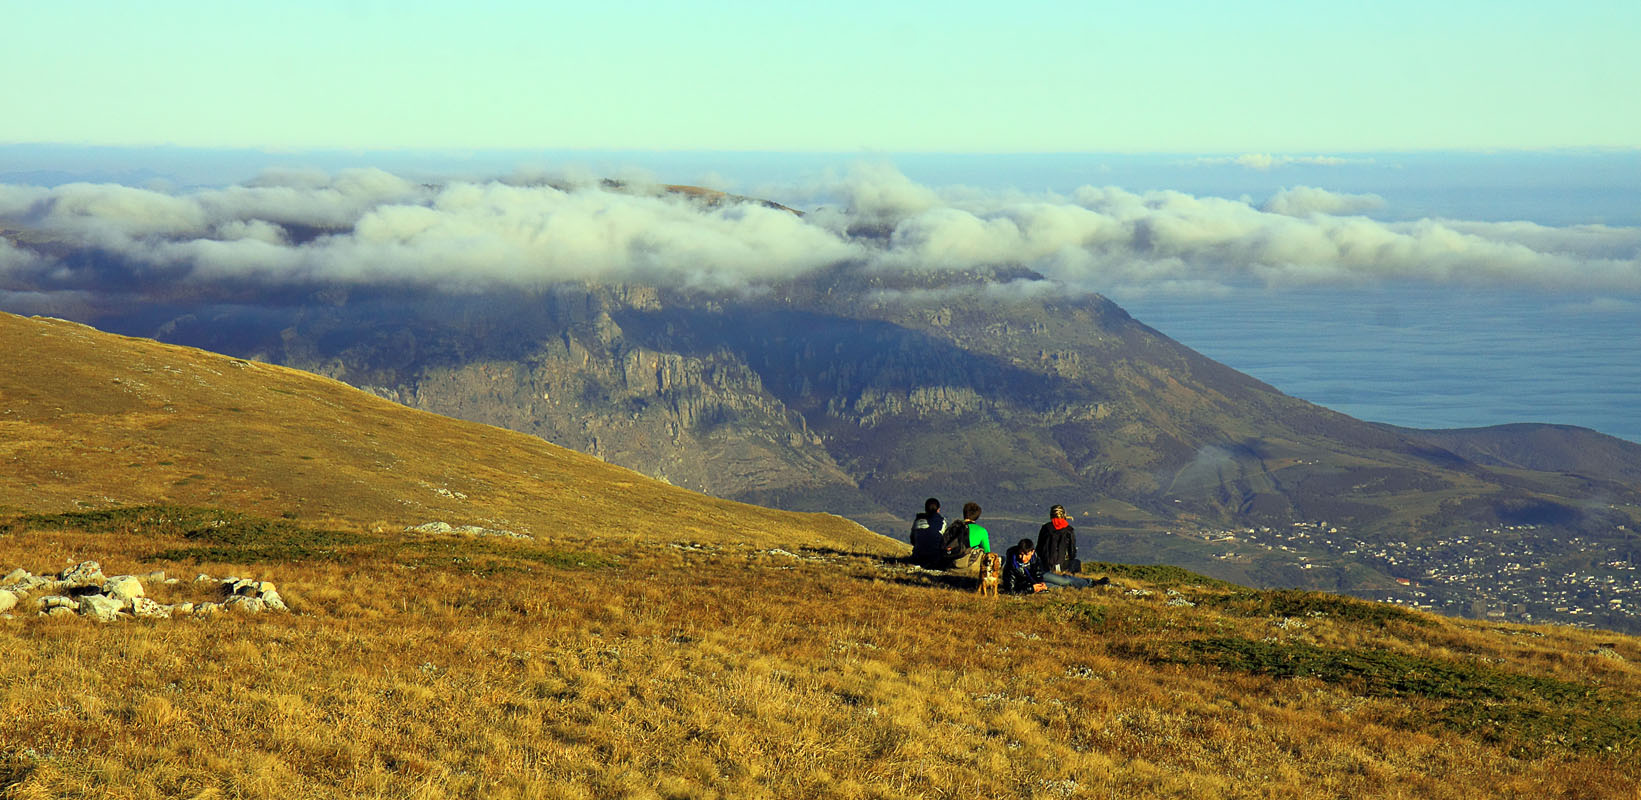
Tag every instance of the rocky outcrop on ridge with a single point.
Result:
(84, 590)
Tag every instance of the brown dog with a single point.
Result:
(991, 573)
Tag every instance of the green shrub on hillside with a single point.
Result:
(1527, 712)
(219, 535)
(1156, 574)
(1300, 603)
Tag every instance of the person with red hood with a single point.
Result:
(1057, 552)
(1057, 543)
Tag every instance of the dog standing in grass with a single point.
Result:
(991, 573)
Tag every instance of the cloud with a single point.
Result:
(1265, 162)
(1303, 201)
(306, 229)
(15, 260)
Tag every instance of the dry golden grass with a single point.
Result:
(730, 671)
(89, 419)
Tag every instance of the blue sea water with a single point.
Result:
(1425, 358)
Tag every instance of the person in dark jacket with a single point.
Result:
(927, 529)
(1057, 543)
(1023, 572)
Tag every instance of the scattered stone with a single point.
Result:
(1180, 602)
(249, 605)
(100, 608)
(83, 589)
(123, 587)
(84, 573)
(145, 608)
(1607, 653)
(445, 528)
(50, 602)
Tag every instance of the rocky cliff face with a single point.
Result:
(850, 396)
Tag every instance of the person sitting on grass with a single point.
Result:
(1057, 543)
(927, 529)
(966, 540)
(1023, 572)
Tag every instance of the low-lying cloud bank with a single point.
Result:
(294, 229)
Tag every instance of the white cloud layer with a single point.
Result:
(301, 228)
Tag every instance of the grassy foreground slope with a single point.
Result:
(93, 419)
(493, 669)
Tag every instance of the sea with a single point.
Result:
(1422, 355)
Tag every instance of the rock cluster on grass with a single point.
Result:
(83, 590)
(438, 528)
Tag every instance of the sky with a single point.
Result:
(847, 76)
(1218, 168)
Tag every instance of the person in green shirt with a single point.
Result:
(965, 541)
(978, 537)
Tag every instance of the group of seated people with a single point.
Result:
(1028, 567)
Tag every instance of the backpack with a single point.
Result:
(956, 540)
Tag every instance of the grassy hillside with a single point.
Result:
(652, 643)
(89, 419)
(510, 669)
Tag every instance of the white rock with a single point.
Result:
(102, 609)
(57, 601)
(172, 581)
(264, 587)
(157, 576)
(84, 573)
(58, 611)
(183, 608)
(145, 608)
(203, 578)
(123, 587)
(8, 601)
(248, 605)
(207, 609)
(274, 602)
(15, 576)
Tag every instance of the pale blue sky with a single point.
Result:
(1023, 76)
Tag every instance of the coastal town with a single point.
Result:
(1503, 573)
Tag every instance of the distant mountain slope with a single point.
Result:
(1546, 448)
(89, 418)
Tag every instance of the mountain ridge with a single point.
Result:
(92, 417)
